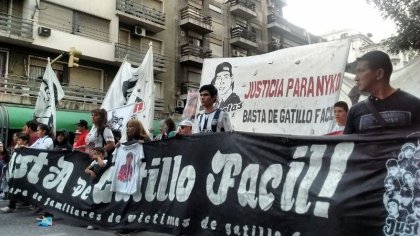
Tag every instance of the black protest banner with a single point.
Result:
(240, 184)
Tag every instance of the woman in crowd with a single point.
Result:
(100, 135)
(44, 141)
(167, 129)
(136, 131)
(61, 141)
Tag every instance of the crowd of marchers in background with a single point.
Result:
(386, 107)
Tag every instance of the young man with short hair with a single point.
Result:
(340, 115)
(30, 129)
(80, 144)
(211, 119)
(386, 106)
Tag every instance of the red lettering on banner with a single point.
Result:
(312, 86)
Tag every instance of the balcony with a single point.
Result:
(24, 91)
(136, 56)
(243, 38)
(286, 29)
(15, 28)
(243, 8)
(194, 55)
(274, 45)
(137, 14)
(194, 20)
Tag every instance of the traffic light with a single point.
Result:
(74, 55)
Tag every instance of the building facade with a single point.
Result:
(183, 33)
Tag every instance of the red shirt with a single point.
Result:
(82, 140)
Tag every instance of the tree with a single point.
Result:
(406, 15)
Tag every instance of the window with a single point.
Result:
(159, 94)
(75, 22)
(37, 69)
(216, 50)
(4, 57)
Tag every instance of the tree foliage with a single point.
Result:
(406, 15)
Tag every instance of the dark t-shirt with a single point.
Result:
(398, 110)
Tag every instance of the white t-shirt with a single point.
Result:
(43, 143)
(338, 128)
(126, 171)
(203, 122)
(98, 140)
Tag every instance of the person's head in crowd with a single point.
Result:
(82, 125)
(417, 180)
(61, 141)
(22, 139)
(136, 131)
(408, 150)
(97, 153)
(170, 125)
(99, 117)
(14, 138)
(185, 127)
(340, 112)
(129, 158)
(30, 127)
(77, 134)
(406, 196)
(392, 183)
(416, 207)
(208, 96)
(393, 168)
(417, 153)
(223, 78)
(43, 130)
(408, 179)
(393, 207)
(373, 71)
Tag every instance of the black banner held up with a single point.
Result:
(240, 184)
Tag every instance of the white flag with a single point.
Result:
(50, 93)
(121, 87)
(118, 117)
(144, 91)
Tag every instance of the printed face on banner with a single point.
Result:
(290, 91)
(402, 192)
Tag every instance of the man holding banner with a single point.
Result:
(386, 106)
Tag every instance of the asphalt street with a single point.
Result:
(23, 223)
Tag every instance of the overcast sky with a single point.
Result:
(323, 16)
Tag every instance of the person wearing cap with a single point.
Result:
(185, 127)
(386, 106)
(210, 119)
(224, 83)
(80, 143)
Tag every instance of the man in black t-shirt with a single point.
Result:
(396, 107)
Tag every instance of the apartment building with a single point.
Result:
(183, 33)
(362, 43)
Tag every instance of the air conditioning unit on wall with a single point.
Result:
(44, 31)
(139, 31)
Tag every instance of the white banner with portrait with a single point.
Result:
(289, 91)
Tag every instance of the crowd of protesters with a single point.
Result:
(373, 74)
